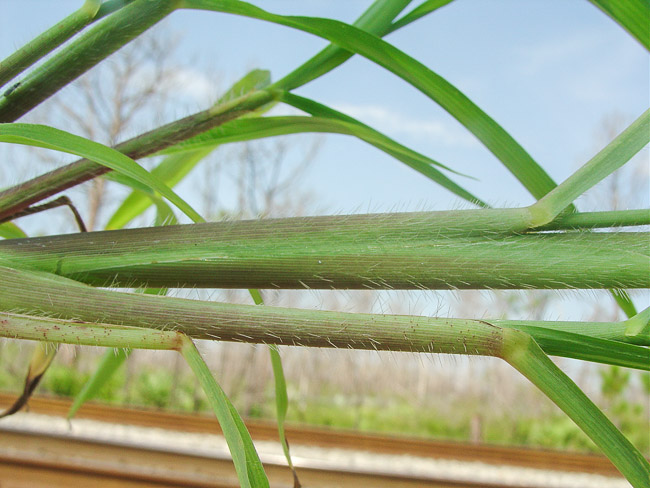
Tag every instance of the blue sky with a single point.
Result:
(549, 71)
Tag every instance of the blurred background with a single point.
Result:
(562, 85)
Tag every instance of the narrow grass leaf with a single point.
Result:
(639, 326)
(522, 352)
(164, 214)
(174, 168)
(169, 172)
(583, 347)
(58, 140)
(247, 463)
(418, 12)
(632, 15)
(256, 79)
(377, 19)
(609, 159)
(411, 158)
(9, 230)
(281, 397)
(356, 40)
(109, 364)
(624, 301)
(258, 128)
(281, 406)
(83, 53)
(122, 179)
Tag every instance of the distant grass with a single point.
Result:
(153, 387)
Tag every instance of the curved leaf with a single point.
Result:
(111, 361)
(170, 171)
(418, 12)
(59, 140)
(9, 230)
(522, 352)
(247, 463)
(173, 169)
(609, 159)
(632, 15)
(257, 128)
(450, 98)
(580, 346)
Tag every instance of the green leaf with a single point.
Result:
(110, 363)
(164, 213)
(122, 179)
(522, 352)
(418, 12)
(247, 463)
(609, 159)
(173, 169)
(356, 40)
(639, 325)
(376, 19)
(579, 346)
(624, 301)
(281, 406)
(9, 230)
(632, 15)
(409, 157)
(256, 79)
(169, 172)
(49, 40)
(257, 128)
(281, 397)
(58, 140)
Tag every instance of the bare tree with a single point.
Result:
(113, 101)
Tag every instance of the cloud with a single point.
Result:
(590, 66)
(396, 123)
(546, 56)
(183, 83)
(192, 84)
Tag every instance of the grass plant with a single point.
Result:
(50, 287)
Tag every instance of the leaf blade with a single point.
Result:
(247, 463)
(632, 15)
(59, 140)
(450, 98)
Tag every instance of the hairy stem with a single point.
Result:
(394, 251)
(84, 53)
(23, 58)
(19, 197)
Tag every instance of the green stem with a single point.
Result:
(77, 58)
(39, 294)
(90, 11)
(599, 220)
(47, 41)
(19, 197)
(85, 333)
(414, 251)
